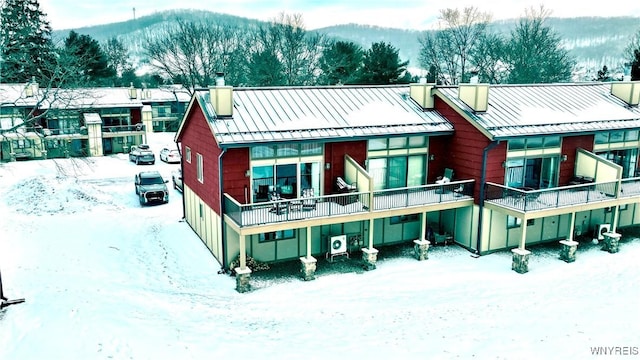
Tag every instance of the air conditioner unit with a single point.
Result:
(602, 228)
(338, 244)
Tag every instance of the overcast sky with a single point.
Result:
(408, 14)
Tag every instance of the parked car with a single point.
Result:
(171, 156)
(142, 154)
(176, 179)
(151, 188)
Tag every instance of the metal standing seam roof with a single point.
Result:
(77, 98)
(545, 109)
(263, 115)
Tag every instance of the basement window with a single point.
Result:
(513, 222)
(278, 235)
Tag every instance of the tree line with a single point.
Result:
(282, 52)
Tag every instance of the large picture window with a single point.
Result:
(397, 162)
(619, 147)
(532, 173)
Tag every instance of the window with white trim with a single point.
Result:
(187, 154)
(199, 168)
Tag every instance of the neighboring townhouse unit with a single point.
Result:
(81, 121)
(297, 172)
(163, 107)
(551, 161)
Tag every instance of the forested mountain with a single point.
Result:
(593, 41)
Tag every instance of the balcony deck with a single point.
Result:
(346, 204)
(573, 195)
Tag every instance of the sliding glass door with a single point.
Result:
(287, 180)
(534, 173)
(397, 172)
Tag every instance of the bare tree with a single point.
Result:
(450, 48)
(489, 58)
(535, 53)
(297, 50)
(192, 53)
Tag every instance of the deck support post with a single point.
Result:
(421, 249)
(308, 267)
(243, 276)
(611, 242)
(568, 250)
(520, 261)
(369, 258)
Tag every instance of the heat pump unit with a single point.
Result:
(602, 228)
(338, 244)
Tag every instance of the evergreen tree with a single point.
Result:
(635, 65)
(25, 43)
(340, 63)
(603, 75)
(381, 65)
(89, 62)
(265, 70)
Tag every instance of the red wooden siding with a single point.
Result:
(198, 137)
(136, 116)
(464, 150)
(569, 146)
(438, 149)
(334, 154)
(235, 163)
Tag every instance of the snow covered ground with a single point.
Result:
(104, 278)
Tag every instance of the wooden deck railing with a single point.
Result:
(344, 204)
(532, 200)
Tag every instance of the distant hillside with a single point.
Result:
(593, 41)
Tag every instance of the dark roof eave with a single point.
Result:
(236, 145)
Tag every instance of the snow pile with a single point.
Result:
(52, 195)
(137, 283)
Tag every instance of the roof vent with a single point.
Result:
(627, 91)
(421, 93)
(476, 96)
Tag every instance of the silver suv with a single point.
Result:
(151, 188)
(142, 154)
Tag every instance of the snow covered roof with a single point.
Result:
(168, 93)
(99, 97)
(543, 109)
(15, 95)
(315, 113)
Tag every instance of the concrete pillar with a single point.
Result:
(369, 258)
(421, 249)
(242, 279)
(611, 240)
(308, 267)
(568, 250)
(520, 261)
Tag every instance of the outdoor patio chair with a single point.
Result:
(278, 206)
(308, 199)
